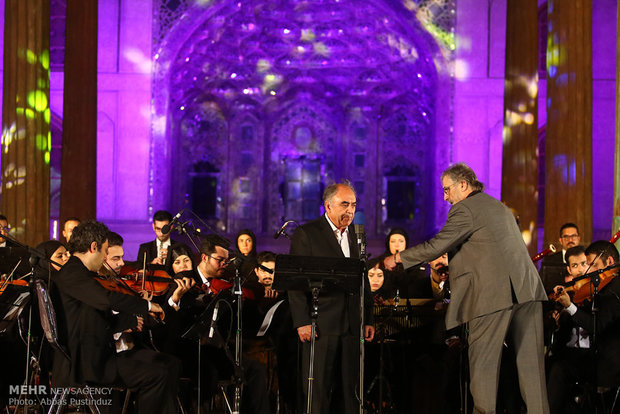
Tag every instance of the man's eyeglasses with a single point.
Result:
(570, 236)
(220, 260)
(446, 190)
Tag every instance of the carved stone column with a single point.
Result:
(25, 189)
(568, 147)
(520, 135)
(78, 188)
(616, 218)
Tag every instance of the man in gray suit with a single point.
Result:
(495, 288)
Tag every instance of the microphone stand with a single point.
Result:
(361, 238)
(183, 229)
(211, 229)
(237, 291)
(596, 280)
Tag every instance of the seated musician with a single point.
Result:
(406, 281)
(56, 252)
(181, 259)
(44, 270)
(436, 285)
(376, 278)
(112, 266)
(4, 230)
(90, 324)
(13, 258)
(246, 245)
(553, 267)
(157, 250)
(68, 226)
(570, 357)
(166, 338)
(266, 264)
(280, 331)
(262, 287)
(605, 372)
(215, 365)
(380, 281)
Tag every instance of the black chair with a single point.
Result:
(49, 324)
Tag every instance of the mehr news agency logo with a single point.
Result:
(44, 395)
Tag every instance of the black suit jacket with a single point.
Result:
(150, 248)
(90, 325)
(338, 311)
(608, 331)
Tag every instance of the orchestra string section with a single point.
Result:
(466, 321)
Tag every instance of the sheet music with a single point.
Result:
(268, 318)
(14, 310)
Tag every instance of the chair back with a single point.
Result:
(48, 316)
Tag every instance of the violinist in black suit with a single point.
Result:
(570, 359)
(205, 282)
(338, 323)
(600, 254)
(86, 308)
(553, 267)
(157, 250)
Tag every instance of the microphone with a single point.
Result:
(214, 319)
(281, 231)
(396, 299)
(166, 227)
(361, 239)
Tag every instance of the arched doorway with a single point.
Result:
(281, 98)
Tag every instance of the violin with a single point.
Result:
(582, 287)
(110, 280)
(153, 282)
(4, 283)
(218, 285)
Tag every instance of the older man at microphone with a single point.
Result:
(331, 235)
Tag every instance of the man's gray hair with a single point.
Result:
(462, 172)
(332, 189)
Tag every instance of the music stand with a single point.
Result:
(206, 323)
(552, 275)
(315, 274)
(12, 302)
(10, 257)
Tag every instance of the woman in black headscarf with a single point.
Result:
(181, 259)
(380, 281)
(57, 252)
(51, 250)
(396, 241)
(408, 281)
(246, 244)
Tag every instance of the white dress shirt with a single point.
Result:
(342, 237)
